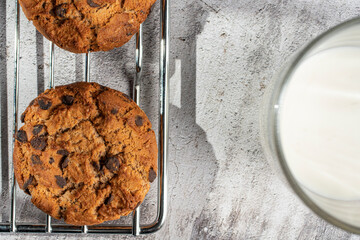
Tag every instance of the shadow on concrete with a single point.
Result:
(192, 161)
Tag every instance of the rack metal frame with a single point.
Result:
(135, 228)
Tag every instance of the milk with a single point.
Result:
(319, 129)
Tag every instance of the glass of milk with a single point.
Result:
(311, 125)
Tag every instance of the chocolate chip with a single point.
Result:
(44, 103)
(60, 11)
(28, 182)
(63, 152)
(22, 117)
(38, 143)
(67, 100)
(92, 4)
(139, 121)
(152, 175)
(96, 166)
(51, 160)
(149, 129)
(60, 181)
(112, 163)
(21, 136)
(37, 129)
(108, 199)
(64, 163)
(114, 111)
(35, 159)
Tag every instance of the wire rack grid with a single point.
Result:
(135, 228)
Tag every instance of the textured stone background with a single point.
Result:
(223, 55)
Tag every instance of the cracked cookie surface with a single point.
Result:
(86, 153)
(80, 26)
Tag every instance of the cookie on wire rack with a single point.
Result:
(87, 25)
(86, 153)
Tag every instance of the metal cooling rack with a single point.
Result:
(135, 228)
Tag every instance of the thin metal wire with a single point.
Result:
(48, 227)
(52, 64)
(87, 67)
(164, 119)
(84, 229)
(136, 221)
(15, 112)
(138, 60)
(136, 96)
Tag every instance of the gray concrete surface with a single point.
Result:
(223, 56)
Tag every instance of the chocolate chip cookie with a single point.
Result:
(86, 153)
(87, 25)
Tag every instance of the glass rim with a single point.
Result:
(279, 89)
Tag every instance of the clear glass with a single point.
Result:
(341, 213)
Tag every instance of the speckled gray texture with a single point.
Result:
(223, 55)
